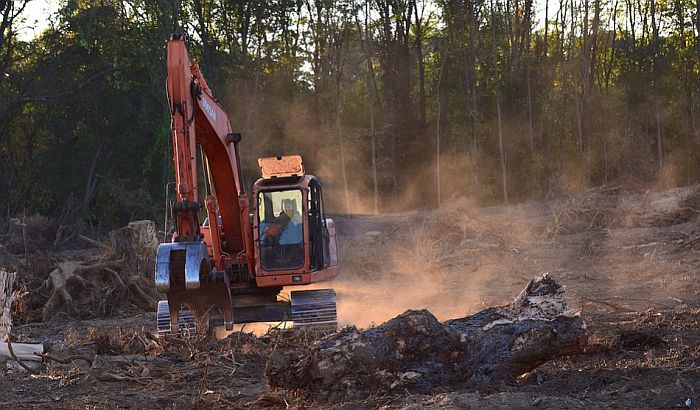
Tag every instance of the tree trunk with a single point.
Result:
(21, 352)
(546, 27)
(473, 37)
(437, 127)
(366, 44)
(498, 108)
(339, 135)
(529, 110)
(610, 64)
(697, 29)
(437, 155)
(25, 352)
(421, 66)
(203, 25)
(657, 98)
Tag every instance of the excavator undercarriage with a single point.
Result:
(312, 309)
(202, 298)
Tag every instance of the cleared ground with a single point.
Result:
(630, 263)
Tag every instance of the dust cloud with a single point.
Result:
(460, 258)
(607, 247)
(446, 261)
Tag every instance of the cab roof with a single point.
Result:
(281, 167)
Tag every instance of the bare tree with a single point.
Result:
(366, 43)
(501, 149)
(10, 14)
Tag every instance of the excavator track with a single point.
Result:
(314, 308)
(187, 323)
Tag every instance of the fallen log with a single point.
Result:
(25, 352)
(414, 351)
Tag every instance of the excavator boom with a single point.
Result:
(197, 118)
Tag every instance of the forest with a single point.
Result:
(394, 104)
(510, 214)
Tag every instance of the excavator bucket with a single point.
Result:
(183, 272)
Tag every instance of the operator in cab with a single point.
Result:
(283, 239)
(287, 228)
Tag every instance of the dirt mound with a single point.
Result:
(415, 351)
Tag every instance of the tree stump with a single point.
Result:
(124, 273)
(136, 244)
(414, 351)
(7, 280)
(93, 290)
(21, 352)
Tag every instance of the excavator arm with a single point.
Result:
(190, 270)
(198, 119)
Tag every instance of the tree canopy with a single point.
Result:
(395, 104)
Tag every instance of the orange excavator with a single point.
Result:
(232, 267)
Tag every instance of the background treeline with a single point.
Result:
(518, 99)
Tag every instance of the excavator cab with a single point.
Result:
(295, 242)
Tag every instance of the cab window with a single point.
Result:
(318, 231)
(281, 229)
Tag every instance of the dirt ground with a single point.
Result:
(630, 262)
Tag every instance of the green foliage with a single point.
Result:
(86, 126)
